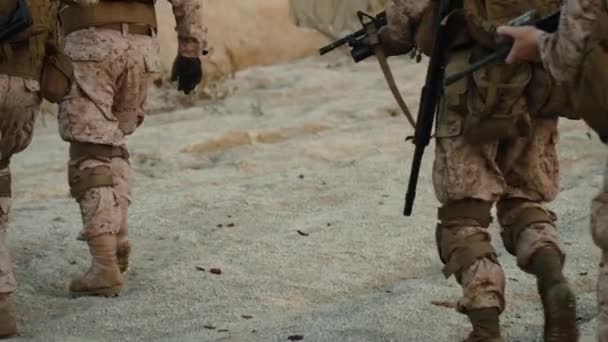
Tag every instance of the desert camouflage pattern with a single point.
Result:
(403, 16)
(562, 53)
(190, 29)
(113, 70)
(525, 169)
(19, 106)
(599, 232)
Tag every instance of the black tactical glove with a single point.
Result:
(188, 72)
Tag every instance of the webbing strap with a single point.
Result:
(80, 150)
(469, 209)
(374, 39)
(83, 180)
(524, 218)
(76, 18)
(5, 186)
(390, 80)
(462, 252)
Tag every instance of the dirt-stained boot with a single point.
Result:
(486, 326)
(103, 278)
(8, 324)
(123, 251)
(559, 302)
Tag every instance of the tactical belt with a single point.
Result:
(140, 29)
(141, 17)
(80, 150)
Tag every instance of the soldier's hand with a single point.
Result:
(525, 43)
(188, 72)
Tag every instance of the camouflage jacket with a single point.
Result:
(190, 30)
(562, 52)
(403, 17)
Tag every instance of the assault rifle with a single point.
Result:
(548, 24)
(431, 94)
(359, 42)
(365, 43)
(19, 20)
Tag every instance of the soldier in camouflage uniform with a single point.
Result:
(115, 54)
(24, 76)
(582, 28)
(491, 149)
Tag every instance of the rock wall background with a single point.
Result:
(242, 34)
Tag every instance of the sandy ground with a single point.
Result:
(294, 189)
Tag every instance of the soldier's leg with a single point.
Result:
(20, 105)
(467, 182)
(528, 229)
(599, 232)
(92, 183)
(465, 247)
(87, 121)
(7, 279)
(129, 103)
(122, 176)
(602, 298)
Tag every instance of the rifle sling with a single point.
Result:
(390, 80)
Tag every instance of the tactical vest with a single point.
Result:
(495, 102)
(483, 16)
(109, 13)
(23, 55)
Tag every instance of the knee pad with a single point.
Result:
(81, 181)
(460, 239)
(517, 215)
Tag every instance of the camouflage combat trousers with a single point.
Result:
(599, 231)
(19, 105)
(113, 70)
(523, 171)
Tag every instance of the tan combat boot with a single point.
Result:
(486, 326)
(8, 324)
(103, 278)
(559, 302)
(123, 250)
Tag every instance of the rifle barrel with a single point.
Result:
(410, 196)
